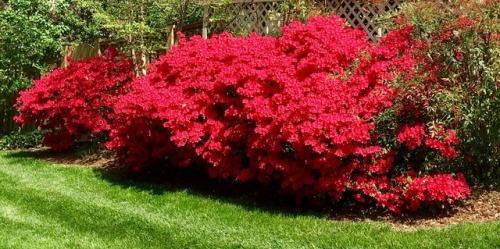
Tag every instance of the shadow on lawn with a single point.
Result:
(21, 154)
(195, 181)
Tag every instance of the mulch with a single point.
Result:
(481, 206)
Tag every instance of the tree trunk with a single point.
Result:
(184, 4)
(143, 67)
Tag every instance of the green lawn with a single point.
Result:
(43, 205)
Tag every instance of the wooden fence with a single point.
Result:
(361, 13)
(244, 17)
(7, 113)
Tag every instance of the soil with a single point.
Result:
(71, 158)
(482, 206)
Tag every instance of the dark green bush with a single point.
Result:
(25, 140)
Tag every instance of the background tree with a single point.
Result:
(32, 34)
(141, 24)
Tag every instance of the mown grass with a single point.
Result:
(44, 205)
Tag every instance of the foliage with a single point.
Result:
(141, 25)
(299, 9)
(191, 12)
(25, 140)
(76, 101)
(78, 21)
(133, 21)
(300, 110)
(29, 44)
(458, 56)
(87, 148)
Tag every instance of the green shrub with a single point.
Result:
(16, 140)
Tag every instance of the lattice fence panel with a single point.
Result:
(264, 17)
(245, 17)
(360, 13)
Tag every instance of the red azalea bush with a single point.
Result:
(77, 100)
(300, 110)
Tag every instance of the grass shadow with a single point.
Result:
(22, 154)
(251, 196)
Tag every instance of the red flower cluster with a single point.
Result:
(410, 192)
(77, 100)
(465, 22)
(437, 138)
(411, 136)
(442, 140)
(428, 190)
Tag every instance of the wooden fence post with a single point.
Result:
(98, 46)
(67, 54)
(204, 29)
(170, 36)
